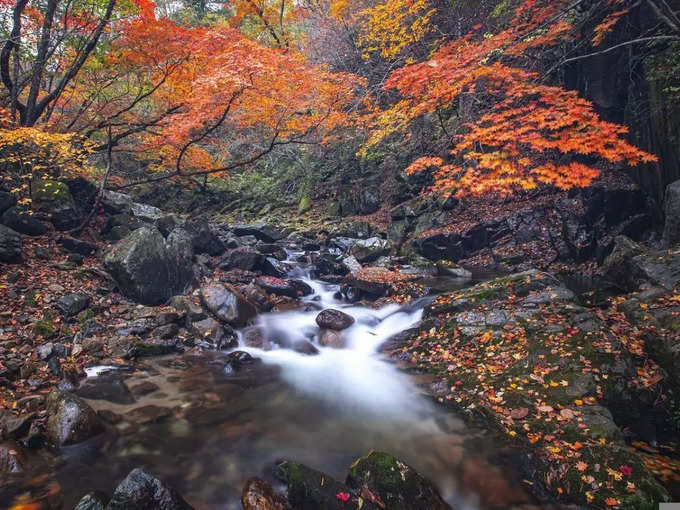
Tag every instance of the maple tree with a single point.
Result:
(524, 133)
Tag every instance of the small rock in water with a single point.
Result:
(305, 347)
(334, 319)
(149, 414)
(259, 495)
(70, 420)
(140, 491)
(331, 338)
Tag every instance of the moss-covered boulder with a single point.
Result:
(397, 484)
(309, 489)
(49, 195)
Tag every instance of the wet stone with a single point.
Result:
(334, 319)
(143, 388)
(148, 414)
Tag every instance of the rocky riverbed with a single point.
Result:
(206, 355)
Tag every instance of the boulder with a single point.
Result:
(204, 239)
(92, 501)
(334, 319)
(302, 288)
(149, 268)
(213, 332)
(630, 265)
(398, 485)
(309, 489)
(73, 304)
(259, 495)
(65, 218)
(70, 420)
(368, 250)
(241, 258)
(141, 491)
(671, 231)
(262, 232)
(117, 203)
(6, 201)
(79, 246)
(273, 267)
(48, 195)
(22, 223)
(276, 286)
(227, 304)
(12, 458)
(10, 245)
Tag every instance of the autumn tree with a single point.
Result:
(522, 132)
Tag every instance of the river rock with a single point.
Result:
(334, 319)
(259, 495)
(276, 286)
(331, 338)
(215, 333)
(227, 304)
(92, 501)
(12, 458)
(273, 267)
(305, 347)
(141, 491)
(73, 304)
(10, 245)
(262, 232)
(204, 239)
(368, 250)
(149, 268)
(70, 419)
(309, 489)
(22, 223)
(244, 258)
(399, 486)
(671, 231)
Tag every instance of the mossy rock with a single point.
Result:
(309, 489)
(49, 195)
(304, 205)
(399, 486)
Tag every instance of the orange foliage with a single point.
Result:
(525, 133)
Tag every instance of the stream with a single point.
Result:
(205, 427)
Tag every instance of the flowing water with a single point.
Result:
(205, 428)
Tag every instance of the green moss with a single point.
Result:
(48, 194)
(45, 329)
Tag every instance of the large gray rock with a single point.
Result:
(10, 245)
(204, 238)
(141, 491)
(91, 501)
(227, 304)
(70, 420)
(630, 265)
(368, 250)
(6, 201)
(117, 203)
(22, 222)
(149, 268)
(671, 231)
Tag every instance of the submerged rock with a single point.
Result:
(398, 485)
(70, 419)
(332, 338)
(141, 491)
(259, 495)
